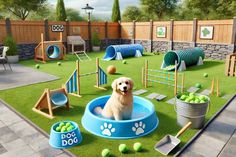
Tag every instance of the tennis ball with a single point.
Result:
(124, 62)
(202, 101)
(37, 66)
(59, 63)
(63, 129)
(61, 124)
(137, 147)
(123, 148)
(58, 129)
(68, 124)
(106, 153)
(183, 97)
(205, 75)
(69, 128)
(198, 85)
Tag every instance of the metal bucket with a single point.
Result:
(191, 112)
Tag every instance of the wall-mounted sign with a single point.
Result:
(76, 30)
(161, 32)
(206, 32)
(57, 28)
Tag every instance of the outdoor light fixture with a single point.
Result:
(88, 10)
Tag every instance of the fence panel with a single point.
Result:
(79, 28)
(222, 31)
(113, 30)
(183, 31)
(3, 32)
(142, 30)
(126, 30)
(98, 27)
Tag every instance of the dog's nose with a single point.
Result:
(124, 87)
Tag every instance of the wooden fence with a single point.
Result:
(221, 31)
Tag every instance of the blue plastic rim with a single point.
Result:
(144, 120)
(126, 50)
(59, 99)
(53, 51)
(62, 140)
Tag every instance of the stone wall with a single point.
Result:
(181, 45)
(146, 44)
(160, 46)
(216, 51)
(26, 51)
(106, 42)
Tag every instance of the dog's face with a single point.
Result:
(123, 85)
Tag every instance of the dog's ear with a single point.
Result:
(114, 85)
(131, 82)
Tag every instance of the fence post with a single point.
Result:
(151, 35)
(133, 35)
(46, 30)
(8, 26)
(89, 36)
(171, 34)
(120, 32)
(233, 38)
(193, 43)
(106, 33)
(67, 27)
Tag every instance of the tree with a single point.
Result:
(116, 12)
(47, 12)
(226, 9)
(131, 13)
(73, 15)
(21, 8)
(159, 8)
(60, 11)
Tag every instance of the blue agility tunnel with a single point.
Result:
(53, 51)
(126, 50)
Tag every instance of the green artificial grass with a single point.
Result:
(24, 98)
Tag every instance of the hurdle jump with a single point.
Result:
(165, 77)
(73, 83)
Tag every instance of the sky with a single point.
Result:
(101, 7)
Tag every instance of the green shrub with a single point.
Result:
(10, 42)
(95, 39)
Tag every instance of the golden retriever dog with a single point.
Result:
(120, 105)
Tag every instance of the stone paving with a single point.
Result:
(21, 138)
(22, 76)
(218, 138)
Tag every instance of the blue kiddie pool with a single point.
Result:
(144, 120)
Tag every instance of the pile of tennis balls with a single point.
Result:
(123, 149)
(64, 127)
(193, 98)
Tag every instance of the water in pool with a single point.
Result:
(139, 111)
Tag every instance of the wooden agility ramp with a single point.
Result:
(45, 106)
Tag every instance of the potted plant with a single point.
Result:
(96, 42)
(12, 54)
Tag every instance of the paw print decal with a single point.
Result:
(138, 128)
(107, 129)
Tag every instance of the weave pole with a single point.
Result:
(171, 78)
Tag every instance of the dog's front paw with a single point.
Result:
(138, 128)
(107, 129)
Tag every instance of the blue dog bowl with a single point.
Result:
(144, 120)
(65, 139)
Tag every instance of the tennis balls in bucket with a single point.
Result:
(106, 153)
(37, 66)
(137, 147)
(123, 148)
(59, 63)
(124, 62)
(111, 69)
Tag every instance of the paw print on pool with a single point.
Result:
(107, 129)
(138, 128)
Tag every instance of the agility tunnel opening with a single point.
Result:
(188, 57)
(123, 51)
(53, 51)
